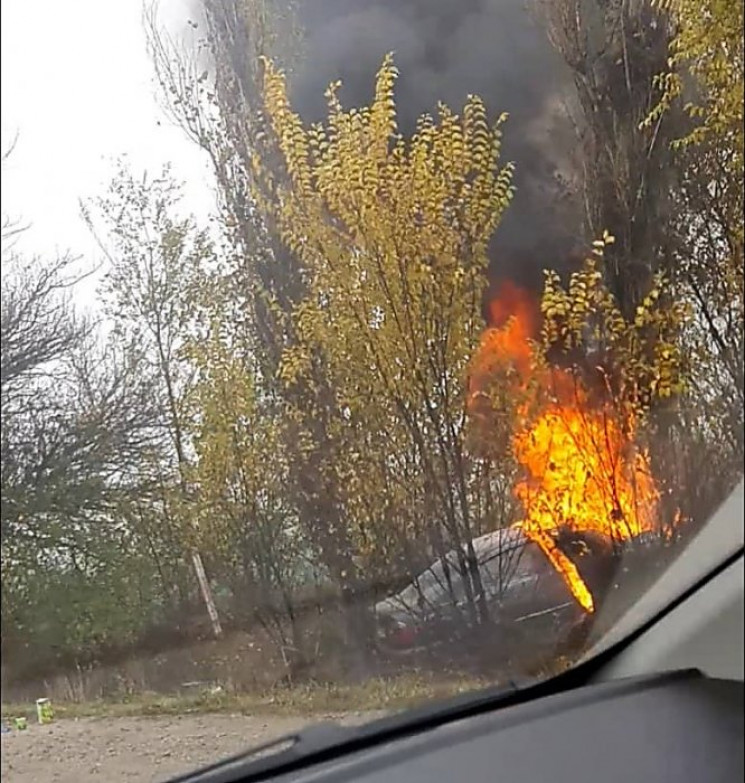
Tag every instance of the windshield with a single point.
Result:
(355, 353)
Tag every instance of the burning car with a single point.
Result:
(518, 584)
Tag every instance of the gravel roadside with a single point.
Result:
(150, 750)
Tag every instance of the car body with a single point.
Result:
(519, 585)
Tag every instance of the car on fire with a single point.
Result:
(520, 588)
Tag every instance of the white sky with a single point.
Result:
(77, 86)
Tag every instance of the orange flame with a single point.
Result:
(580, 468)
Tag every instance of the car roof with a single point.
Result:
(498, 542)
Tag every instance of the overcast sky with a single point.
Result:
(77, 87)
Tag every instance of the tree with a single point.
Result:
(75, 431)
(706, 70)
(394, 237)
(215, 94)
(38, 334)
(77, 421)
(156, 263)
(659, 88)
(613, 51)
(704, 80)
(247, 521)
(228, 119)
(77, 579)
(37, 322)
(224, 117)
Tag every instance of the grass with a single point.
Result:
(378, 694)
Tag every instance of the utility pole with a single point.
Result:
(190, 491)
(206, 591)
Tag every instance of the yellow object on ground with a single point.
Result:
(44, 711)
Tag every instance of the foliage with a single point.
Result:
(294, 403)
(158, 267)
(704, 77)
(77, 419)
(613, 381)
(151, 289)
(393, 235)
(110, 597)
(658, 97)
(641, 357)
(706, 72)
(245, 519)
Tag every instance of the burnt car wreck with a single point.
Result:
(510, 590)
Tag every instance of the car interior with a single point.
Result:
(659, 698)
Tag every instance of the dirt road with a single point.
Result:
(150, 750)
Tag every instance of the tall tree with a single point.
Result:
(613, 51)
(706, 71)
(394, 235)
(156, 263)
(703, 80)
(224, 115)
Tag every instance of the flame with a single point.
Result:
(580, 468)
(514, 322)
(565, 567)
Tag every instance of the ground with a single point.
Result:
(152, 737)
(146, 749)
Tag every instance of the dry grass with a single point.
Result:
(378, 694)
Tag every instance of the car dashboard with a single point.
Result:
(676, 727)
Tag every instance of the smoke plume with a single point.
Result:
(446, 50)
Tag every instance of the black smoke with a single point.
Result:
(446, 49)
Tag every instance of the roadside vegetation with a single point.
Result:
(297, 406)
